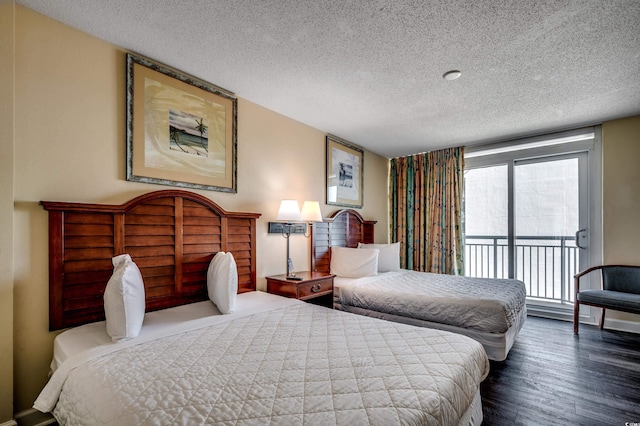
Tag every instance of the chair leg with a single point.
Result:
(602, 319)
(576, 316)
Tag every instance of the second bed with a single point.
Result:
(491, 311)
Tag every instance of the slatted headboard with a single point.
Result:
(171, 235)
(345, 228)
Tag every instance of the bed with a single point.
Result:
(272, 360)
(491, 311)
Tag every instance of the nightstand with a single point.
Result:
(315, 287)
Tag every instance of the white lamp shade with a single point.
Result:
(289, 211)
(311, 212)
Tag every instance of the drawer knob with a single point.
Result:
(316, 288)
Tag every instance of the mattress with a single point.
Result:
(486, 305)
(496, 345)
(279, 361)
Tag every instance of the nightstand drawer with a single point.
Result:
(315, 288)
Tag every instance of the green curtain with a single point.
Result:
(425, 193)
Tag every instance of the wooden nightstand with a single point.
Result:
(315, 287)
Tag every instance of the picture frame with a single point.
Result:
(181, 131)
(344, 173)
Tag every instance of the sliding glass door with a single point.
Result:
(527, 216)
(551, 218)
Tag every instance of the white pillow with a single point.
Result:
(222, 282)
(389, 257)
(124, 302)
(354, 263)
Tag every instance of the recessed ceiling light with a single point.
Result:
(452, 75)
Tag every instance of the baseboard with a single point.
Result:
(550, 312)
(609, 324)
(622, 325)
(33, 417)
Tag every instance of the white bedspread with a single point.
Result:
(292, 364)
(490, 305)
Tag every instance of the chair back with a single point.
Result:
(621, 278)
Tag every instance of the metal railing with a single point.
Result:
(546, 264)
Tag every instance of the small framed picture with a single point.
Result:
(344, 172)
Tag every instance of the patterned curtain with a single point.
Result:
(425, 193)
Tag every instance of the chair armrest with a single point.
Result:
(576, 280)
(586, 271)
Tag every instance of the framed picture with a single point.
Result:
(344, 171)
(181, 131)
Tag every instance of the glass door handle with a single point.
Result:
(578, 235)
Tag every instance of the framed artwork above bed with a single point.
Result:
(181, 131)
(344, 173)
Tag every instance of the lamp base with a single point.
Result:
(293, 278)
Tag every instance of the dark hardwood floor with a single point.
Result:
(552, 377)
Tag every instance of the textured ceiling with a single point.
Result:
(371, 71)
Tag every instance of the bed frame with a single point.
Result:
(171, 235)
(345, 228)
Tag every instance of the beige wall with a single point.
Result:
(6, 208)
(621, 196)
(70, 146)
(621, 190)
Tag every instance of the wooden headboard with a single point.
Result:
(171, 235)
(345, 228)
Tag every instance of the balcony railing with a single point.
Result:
(545, 264)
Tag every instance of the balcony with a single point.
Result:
(545, 264)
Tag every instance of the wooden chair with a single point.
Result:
(620, 291)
